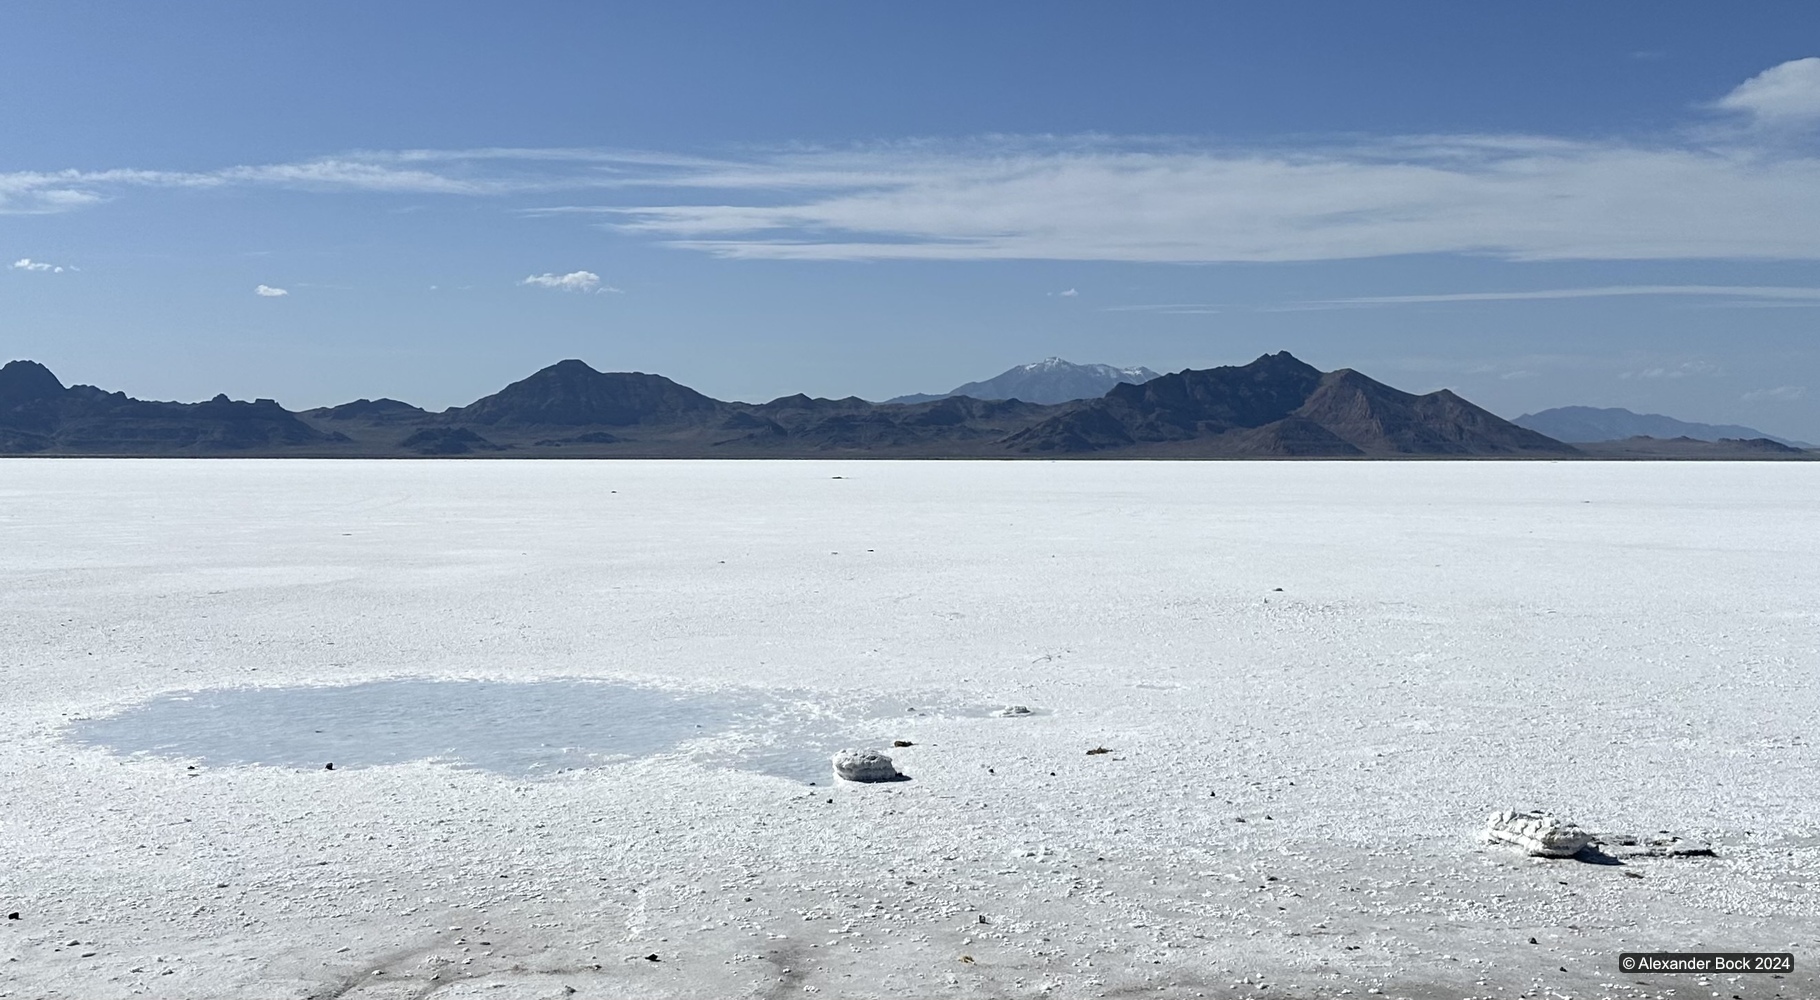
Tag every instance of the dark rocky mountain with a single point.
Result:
(950, 425)
(24, 382)
(1051, 380)
(1280, 406)
(39, 415)
(571, 394)
(1274, 407)
(1578, 424)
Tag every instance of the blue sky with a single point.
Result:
(1535, 204)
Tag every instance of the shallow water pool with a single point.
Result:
(521, 728)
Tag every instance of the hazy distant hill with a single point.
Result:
(1586, 424)
(390, 410)
(1051, 380)
(1687, 448)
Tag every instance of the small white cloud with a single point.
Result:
(1789, 92)
(1780, 394)
(574, 281)
(28, 264)
(267, 291)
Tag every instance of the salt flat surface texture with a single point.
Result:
(1294, 792)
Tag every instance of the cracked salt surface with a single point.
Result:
(517, 728)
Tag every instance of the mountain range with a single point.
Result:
(1051, 380)
(1585, 424)
(1274, 407)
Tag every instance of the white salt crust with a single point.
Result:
(1296, 801)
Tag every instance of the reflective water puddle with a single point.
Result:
(518, 728)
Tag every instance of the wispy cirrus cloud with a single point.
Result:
(1170, 308)
(28, 264)
(1739, 295)
(47, 192)
(472, 172)
(1745, 195)
(1778, 394)
(1098, 198)
(1518, 198)
(1785, 293)
(1686, 369)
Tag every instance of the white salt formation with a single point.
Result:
(1537, 833)
(1012, 712)
(865, 765)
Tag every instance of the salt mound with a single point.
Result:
(865, 765)
(1537, 833)
(1012, 712)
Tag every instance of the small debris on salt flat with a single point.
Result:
(865, 765)
(902, 743)
(1661, 844)
(1097, 750)
(1012, 712)
(1537, 833)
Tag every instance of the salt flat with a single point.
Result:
(1296, 785)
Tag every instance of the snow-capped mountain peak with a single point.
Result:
(1051, 380)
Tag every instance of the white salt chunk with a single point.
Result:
(1537, 833)
(864, 765)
